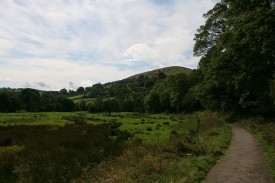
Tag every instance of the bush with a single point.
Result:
(80, 119)
(52, 154)
(149, 129)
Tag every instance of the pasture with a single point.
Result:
(150, 128)
(85, 147)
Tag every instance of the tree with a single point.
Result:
(98, 104)
(272, 89)
(63, 91)
(152, 103)
(30, 99)
(80, 90)
(110, 105)
(97, 90)
(67, 105)
(8, 102)
(4, 102)
(179, 85)
(238, 58)
(214, 27)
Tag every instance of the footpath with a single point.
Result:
(243, 162)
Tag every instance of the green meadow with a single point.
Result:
(150, 128)
(85, 147)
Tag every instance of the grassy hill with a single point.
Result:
(140, 83)
(173, 70)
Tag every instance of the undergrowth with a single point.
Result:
(37, 154)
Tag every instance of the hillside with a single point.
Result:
(132, 93)
(173, 70)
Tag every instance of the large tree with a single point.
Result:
(30, 99)
(8, 102)
(237, 45)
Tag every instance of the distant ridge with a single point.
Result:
(172, 70)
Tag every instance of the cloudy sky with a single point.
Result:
(58, 44)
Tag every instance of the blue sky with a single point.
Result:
(58, 44)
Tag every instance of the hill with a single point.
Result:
(154, 91)
(173, 70)
(130, 94)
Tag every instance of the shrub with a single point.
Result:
(174, 132)
(56, 154)
(149, 129)
(77, 120)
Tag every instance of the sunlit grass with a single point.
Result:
(150, 128)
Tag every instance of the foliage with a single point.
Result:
(272, 89)
(136, 93)
(237, 48)
(32, 100)
(54, 154)
(133, 94)
(8, 102)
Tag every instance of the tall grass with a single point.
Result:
(123, 147)
(54, 154)
(184, 157)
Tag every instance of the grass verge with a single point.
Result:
(265, 133)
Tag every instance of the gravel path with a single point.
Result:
(243, 162)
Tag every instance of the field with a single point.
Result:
(80, 98)
(85, 147)
(147, 127)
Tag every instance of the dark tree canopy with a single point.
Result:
(30, 99)
(237, 45)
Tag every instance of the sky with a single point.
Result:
(50, 45)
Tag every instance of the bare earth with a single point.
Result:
(244, 161)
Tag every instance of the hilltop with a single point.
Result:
(172, 70)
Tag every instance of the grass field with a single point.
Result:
(80, 98)
(183, 157)
(85, 147)
(147, 127)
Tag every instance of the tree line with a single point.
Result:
(153, 94)
(32, 100)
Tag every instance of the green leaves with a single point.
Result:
(237, 45)
(209, 33)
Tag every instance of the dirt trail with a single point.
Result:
(244, 161)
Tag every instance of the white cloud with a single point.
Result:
(66, 37)
(141, 52)
(57, 74)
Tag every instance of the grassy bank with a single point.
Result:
(265, 133)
